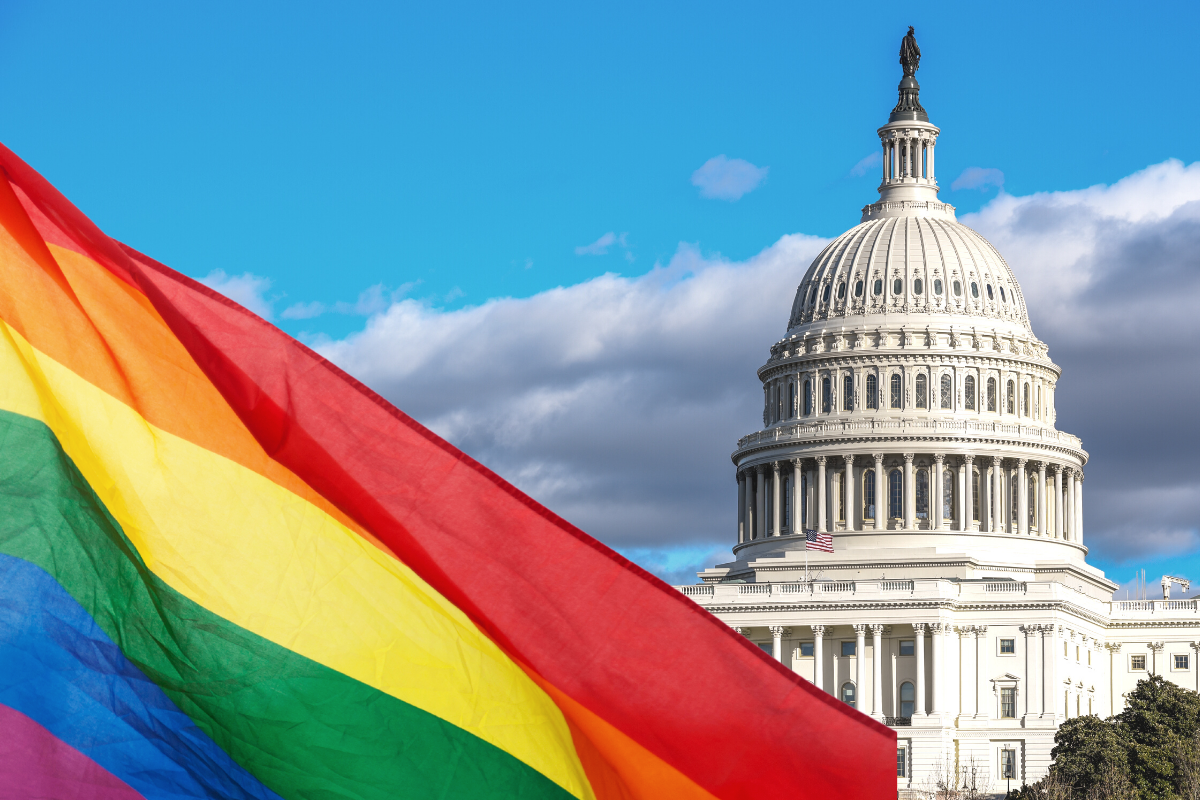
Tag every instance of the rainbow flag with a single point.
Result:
(228, 570)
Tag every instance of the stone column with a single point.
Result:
(1079, 511)
(981, 667)
(1022, 500)
(775, 499)
(1032, 667)
(1114, 648)
(968, 485)
(966, 671)
(741, 521)
(1049, 670)
(860, 673)
(919, 628)
(796, 522)
(760, 503)
(1155, 649)
(821, 515)
(998, 503)
(848, 493)
(909, 493)
(936, 691)
(877, 670)
(777, 634)
(935, 519)
(1069, 506)
(880, 494)
(1041, 500)
(818, 655)
(1058, 509)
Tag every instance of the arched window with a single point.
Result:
(842, 290)
(1025, 401)
(947, 392)
(907, 699)
(858, 287)
(969, 392)
(1003, 298)
(872, 392)
(839, 496)
(991, 394)
(848, 695)
(974, 289)
(803, 501)
(922, 494)
(918, 286)
(975, 495)
(826, 395)
(937, 286)
(896, 391)
(807, 397)
(895, 494)
(1011, 402)
(868, 494)
(791, 407)
(922, 392)
(948, 503)
(990, 295)
(825, 296)
(847, 392)
(897, 286)
(957, 289)
(1037, 402)
(785, 487)
(878, 287)
(1031, 502)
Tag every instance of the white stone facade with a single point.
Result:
(909, 412)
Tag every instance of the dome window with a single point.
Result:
(858, 289)
(842, 290)
(937, 286)
(1003, 299)
(872, 392)
(990, 295)
(825, 297)
(878, 286)
(895, 391)
(969, 392)
(974, 289)
(918, 286)
(957, 289)
(897, 286)
(922, 392)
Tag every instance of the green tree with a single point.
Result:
(1159, 719)
(1085, 748)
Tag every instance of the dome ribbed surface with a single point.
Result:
(923, 254)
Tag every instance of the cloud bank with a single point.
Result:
(722, 178)
(617, 401)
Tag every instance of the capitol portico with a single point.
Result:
(909, 412)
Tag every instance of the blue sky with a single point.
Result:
(347, 157)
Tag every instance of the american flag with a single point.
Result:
(818, 541)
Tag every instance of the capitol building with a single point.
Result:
(909, 413)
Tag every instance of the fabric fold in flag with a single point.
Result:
(291, 589)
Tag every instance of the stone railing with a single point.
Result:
(1145, 608)
(887, 426)
(1005, 586)
(703, 590)
(896, 586)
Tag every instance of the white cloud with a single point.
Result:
(722, 178)
(978, 178)
(617, 401)
(246, 289)
(601, 245)
(303, 310)
(869, 163)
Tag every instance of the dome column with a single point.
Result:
(760, 503)
(935, 688)
(742, 482)
(1058, 504)
(880, 495)
(1041, 499)
(919, 649)
(877, 670)
(775, 499)
(967, 486)
(1022, 490)
(909, 492)
(935, 519)
(998, 495)
(821, 515)
(1069, 506)
(848, 492)
(796, 523)
(1079, 507)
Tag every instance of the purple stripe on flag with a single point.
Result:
(35, 763)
